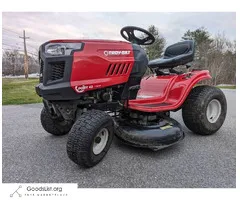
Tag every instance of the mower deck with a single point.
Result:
(154, 137)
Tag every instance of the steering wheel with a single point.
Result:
(128, 34)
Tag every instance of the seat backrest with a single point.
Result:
(180, 48)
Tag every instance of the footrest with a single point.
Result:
(156, 105)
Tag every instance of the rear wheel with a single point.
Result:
(204, 110)
(55, 126)
(90, 138)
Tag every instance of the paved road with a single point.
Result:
(32, 155)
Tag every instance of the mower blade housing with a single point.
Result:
(153, 137)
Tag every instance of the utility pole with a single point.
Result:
(25, 54)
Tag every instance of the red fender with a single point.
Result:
(168, 92)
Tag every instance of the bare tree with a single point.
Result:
(217, 54)
(13, 63)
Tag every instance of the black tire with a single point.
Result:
(195, 107)
(83, 134)
(54, 126)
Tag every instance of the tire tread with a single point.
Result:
(81, 136)
(193, 113)
(51, 126)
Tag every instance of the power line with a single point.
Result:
(17, 47)
(10, 31)
(9, 41)
(6, 39)
(10, 36)
(34, 41)
(10, 45)
(19, 50)
(31, 46)
(5, 42)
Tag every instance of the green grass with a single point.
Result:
(222, 87)
(19, 91)
(22, 91)
(227, 87)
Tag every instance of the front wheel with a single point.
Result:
(54, 126)
(204, 110)
(90, 138)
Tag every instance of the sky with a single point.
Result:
(41, 27)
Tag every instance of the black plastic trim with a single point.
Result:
(138, 70)
(59, 89)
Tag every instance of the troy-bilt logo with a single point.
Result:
(116, 53)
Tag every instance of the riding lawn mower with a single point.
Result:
(95, 89)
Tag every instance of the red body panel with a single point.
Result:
(163, 93)
(103, 63)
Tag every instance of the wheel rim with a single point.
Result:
(100, 141)
(213, 110)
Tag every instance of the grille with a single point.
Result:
(57, 70)
(41, 71)
(117, 69)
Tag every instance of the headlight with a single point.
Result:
(61, 49)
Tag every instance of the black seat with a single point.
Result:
(177, 54)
